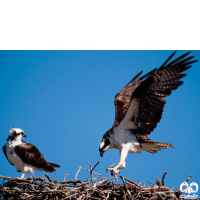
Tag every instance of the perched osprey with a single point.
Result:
(138, 109)
(25, 156)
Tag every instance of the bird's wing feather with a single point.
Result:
(4, 150)
(29, 154)
(122, 99)
(147, 99)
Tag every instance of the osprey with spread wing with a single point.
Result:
(25, 156)
(139, 106)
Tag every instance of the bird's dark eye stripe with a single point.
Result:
(107, 142)
(20, 133)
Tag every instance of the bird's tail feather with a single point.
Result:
(49, 167)
(153, 147)
(54, 165)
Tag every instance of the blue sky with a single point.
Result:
(64, 101)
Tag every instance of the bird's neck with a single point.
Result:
(16, 141)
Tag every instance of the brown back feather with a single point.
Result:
(29, 154)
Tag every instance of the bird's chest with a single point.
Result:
(126, 139)
(122, 137)
(11, 155)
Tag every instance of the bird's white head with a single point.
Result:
(106, 142)
(16, 133)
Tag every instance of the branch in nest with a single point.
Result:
(48, 177)
(188, 178)
(65, 176)
(163, 178)
(91, 170)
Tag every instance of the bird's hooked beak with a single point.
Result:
(23, 135)
(101, 153)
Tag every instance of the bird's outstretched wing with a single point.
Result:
(29, 154)
(122, 98)
(142, 101)
(4, 150)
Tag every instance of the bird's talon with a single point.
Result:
(108, 169)
(112, 170)
(21, 178)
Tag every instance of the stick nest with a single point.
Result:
(96, 188)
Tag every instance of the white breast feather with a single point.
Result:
(12, 156)
(123, 137)
(15, 159)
